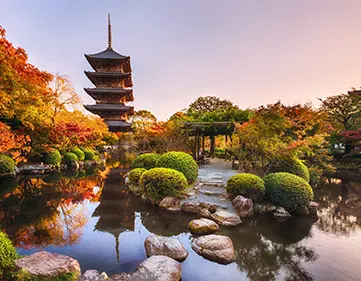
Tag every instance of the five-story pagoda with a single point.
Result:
(113, 86)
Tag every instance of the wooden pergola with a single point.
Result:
(201, 130)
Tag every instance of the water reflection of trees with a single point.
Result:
(340, 202)
(269, 249)
(47, 210)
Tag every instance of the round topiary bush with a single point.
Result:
(89, 154)
(181, 162)
(70, 158)
(79, 153)
(135, 174)
(248, 185)
(52, 157)
(8, 254)
(293, 166)
(287, 190)
(158, 183)
(146, 160)
(7, 164)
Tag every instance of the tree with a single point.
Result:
(207, 104)
(344, 113)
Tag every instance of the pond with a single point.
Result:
(95, 220)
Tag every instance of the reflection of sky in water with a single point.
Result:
(298, 249)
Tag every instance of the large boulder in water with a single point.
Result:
(202, 226)
(45, 265)
(216, 248)
(243, 206)
(170, 247)
(158, 268)
(170, 204)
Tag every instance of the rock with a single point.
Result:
(158, 268)
(262, 209)
(120, 277)
(170, 204)
(47, 265)
(281, 214)
(312, 208)
(165, 246)
(190, 207)
(243, 206)
(202, 226)
(147, 199)
(93, 275)
(216, 248)
(226, 218)
(75, 166)
(35, 168)
(205, 213)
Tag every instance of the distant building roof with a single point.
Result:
(108, 107)
(107, 54)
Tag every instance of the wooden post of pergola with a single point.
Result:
(207, 129)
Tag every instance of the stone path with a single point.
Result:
(210, 188)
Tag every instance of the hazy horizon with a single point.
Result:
(250, 52)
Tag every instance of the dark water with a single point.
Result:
(96, 221)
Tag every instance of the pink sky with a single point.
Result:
(251, 52)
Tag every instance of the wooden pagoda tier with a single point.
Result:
(113, 81)
(107, 95)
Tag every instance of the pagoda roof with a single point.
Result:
(113, 91)
(108, 53)
(108, 107)
(118, 76)
(123, 124)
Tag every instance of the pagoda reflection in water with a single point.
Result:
(114, 212)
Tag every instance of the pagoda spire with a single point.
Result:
(109, 33)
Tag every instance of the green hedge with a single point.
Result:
(79, 153)
(8, 255)
(7, 164)
(181, 162)
(158, 183)
(146, 160)
(248, 185)
(293, 166)
(70, 158)
(52, 156)
(89, 154)
(135, 174)
(287, 190)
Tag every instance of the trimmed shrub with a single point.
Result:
(79, 153)
(293, 166)
(7, 164)
(146, 160)
(181, 162)
(135, 174)
(248, 185)
(52, 156)
(288, 191)
(8, 254)
(89, 154)
(70, 158)
(158, 183)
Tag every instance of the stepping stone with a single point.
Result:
(158, 268)
(165, 246)
(226, 218)
(202, 226)
(216, 248)
(170, 204)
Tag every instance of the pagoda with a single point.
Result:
(113, 86)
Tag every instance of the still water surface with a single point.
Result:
(95, 220)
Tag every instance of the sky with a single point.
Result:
(252, 52)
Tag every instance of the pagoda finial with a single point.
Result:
(109, 33)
